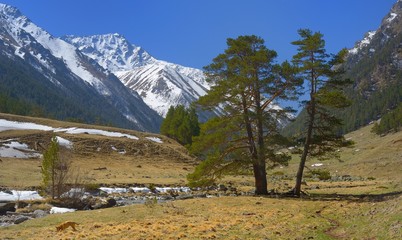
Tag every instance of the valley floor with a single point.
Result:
(362, 200)
(228, 218)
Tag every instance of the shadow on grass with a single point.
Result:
(342, 197)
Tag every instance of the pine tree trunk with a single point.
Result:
(53, 183)
(302, 164)
(260, 179)
(260, 174)
(258, 164)
(311, 112)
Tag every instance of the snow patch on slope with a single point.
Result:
(14, 149)
(363, 43)
(391, 17)
(13, 125)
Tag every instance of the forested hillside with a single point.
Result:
(23, 90)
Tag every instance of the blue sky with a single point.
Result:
(191, 32)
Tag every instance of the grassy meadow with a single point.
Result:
(368, 206)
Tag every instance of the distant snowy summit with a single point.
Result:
(160, 84)
(111, 51)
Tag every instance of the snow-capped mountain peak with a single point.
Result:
(75, 75)
(25, 32)
(111, 51)
(160, 84)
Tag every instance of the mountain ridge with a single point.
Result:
(161, 84)
(71, 73)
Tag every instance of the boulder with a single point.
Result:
(7, 207)
(102, 203)
(21, 219)
(111, 202)
(39, 213)
(184, 197)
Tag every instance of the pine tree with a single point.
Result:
(49, 165)
(181, 124)
(246, 82)
(55, 169)
(322, 75)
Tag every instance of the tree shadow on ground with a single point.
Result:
(341, 197)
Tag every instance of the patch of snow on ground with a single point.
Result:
(75, 130)
(14, 149)
(155, 139)
(113, 190)
(64, 142)
(317, 164)
(145, 189)
(140, 189)
(19, 195)
(55, 210)
(13, 125)
(176, 189)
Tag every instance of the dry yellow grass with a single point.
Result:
(226, 218)
(143, 162)
(372, 157)
(147, 162)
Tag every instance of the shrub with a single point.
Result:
(92, 187)
(321, 174)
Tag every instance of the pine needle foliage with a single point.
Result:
(49, 164)
(246, 82)
(322, 74)
(181, 124)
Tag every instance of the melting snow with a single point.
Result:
(75, 130)
(13, 125)
(145, 189)
(19, 195)
(155, 139)
(317, 165)
(54, 210)
(14, 149)
(64, 142)
(113, 190)
(176, 189)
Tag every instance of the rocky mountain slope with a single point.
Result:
(160, 84)
(45, 70)
(375, 66)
